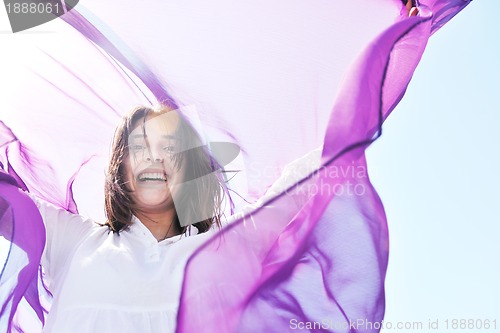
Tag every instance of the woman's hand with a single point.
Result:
(412, 11)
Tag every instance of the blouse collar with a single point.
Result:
(139, 229)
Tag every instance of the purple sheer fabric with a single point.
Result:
(277, 79)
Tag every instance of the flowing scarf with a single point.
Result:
(279, 79)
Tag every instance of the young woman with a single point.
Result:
(124, 275)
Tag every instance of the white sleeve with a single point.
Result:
(64, 231)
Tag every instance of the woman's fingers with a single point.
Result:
(412, 11)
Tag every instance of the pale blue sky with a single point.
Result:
(436, 170)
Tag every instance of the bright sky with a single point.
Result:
(436, 170)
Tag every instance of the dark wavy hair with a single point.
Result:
(204, 200)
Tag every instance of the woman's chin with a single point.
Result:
(153, 199)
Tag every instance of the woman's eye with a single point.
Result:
(169, 149)
(137, 147)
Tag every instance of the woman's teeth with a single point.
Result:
(156, 176)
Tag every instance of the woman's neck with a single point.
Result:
(161, 224)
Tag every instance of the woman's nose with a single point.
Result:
(156, 159)
(154, 156)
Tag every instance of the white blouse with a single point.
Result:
(103, 282)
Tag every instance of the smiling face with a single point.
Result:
(150, 168)
(158, 159)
